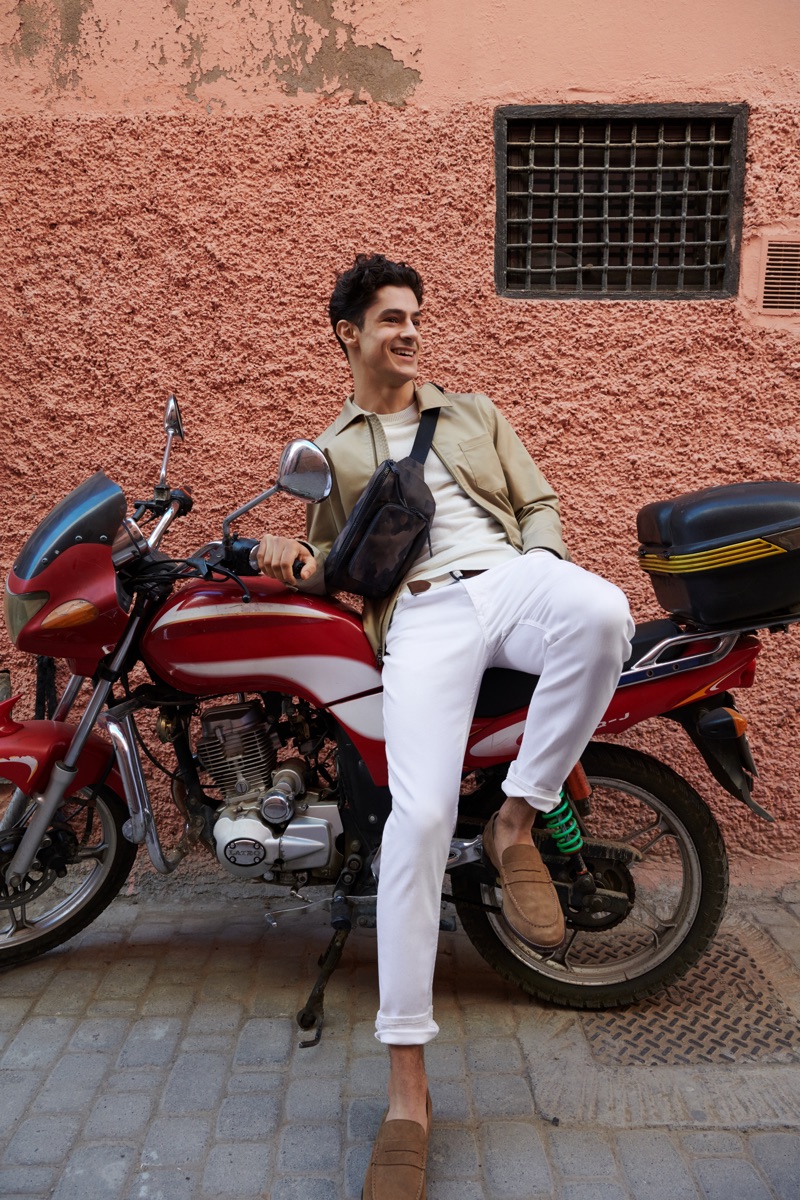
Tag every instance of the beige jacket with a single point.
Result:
(480, 450)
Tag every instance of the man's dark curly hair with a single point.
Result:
(356, 287)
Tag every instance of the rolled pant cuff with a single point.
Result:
(538, 798)
(406, 1031)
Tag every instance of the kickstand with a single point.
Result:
(313, 1015)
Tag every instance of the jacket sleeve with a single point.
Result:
(535, 503)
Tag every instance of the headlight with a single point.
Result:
(21, 609)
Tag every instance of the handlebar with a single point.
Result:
(241, 558)
(163, 525)
(180, 503)
(237, 557)
(131, 547)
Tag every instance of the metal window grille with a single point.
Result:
(782, 277)
(617, 203)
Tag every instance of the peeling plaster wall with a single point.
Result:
(95, 54)
(159, 55)
(178, 183)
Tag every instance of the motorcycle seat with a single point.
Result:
(503, 690)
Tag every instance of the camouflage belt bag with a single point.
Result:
(388, 526)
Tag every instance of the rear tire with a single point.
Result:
(88, 846)
(676, 891)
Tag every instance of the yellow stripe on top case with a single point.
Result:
(710, 560)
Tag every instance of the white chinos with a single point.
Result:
(534, 613)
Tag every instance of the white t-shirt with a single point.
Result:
(463, 535)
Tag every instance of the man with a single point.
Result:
(494, 589)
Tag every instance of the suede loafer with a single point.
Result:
(397, 1166)
(530, 901)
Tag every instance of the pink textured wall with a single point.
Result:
(178, 183)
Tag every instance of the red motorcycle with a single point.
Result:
(271, 703)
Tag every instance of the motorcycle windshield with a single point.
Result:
(92, 513)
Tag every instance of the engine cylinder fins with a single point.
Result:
(237, 748)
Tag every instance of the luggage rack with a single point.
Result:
(653, 666)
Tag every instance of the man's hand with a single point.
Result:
(277, 555)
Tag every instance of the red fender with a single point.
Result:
(30, 749)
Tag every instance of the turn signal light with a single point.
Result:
(73, 612)
(739, 722)
(720, 724)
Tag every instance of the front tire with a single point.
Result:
(675, 885)
(71, 881)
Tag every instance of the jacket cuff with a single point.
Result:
(546, 541)
(316, 584)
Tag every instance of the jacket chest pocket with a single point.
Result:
(483, 463)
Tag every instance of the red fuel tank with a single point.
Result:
(208, 641)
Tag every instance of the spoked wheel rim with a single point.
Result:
(666, 894)
(84, 840)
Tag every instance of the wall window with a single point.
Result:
(639, 202)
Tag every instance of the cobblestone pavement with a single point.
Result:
(157, 1058)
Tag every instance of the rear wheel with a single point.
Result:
(659, 862)
(78, 871)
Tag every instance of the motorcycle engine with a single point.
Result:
(270, 820)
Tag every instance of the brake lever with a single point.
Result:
(201, 565)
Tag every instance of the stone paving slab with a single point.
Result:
(156, 1058)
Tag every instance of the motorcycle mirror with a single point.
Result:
(173, 427)
(304, 472)
(172, 419)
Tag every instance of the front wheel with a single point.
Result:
(77, 872)
(658, 856)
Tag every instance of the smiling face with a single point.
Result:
(384, 351)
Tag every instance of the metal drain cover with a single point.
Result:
(718, 1050)
(724, 1011)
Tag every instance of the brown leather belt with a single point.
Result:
(423, 585)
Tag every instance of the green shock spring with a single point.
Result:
(563, 827)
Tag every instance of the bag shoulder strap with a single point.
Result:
(424, 439)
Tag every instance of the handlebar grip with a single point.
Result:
(239, 559)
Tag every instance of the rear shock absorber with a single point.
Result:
(563, 827)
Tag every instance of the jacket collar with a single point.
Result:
(426, 396)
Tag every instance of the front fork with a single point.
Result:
(19, 799)
(63, 774)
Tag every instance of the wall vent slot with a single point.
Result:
(782, 277)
